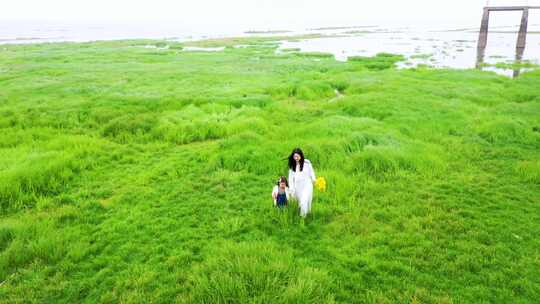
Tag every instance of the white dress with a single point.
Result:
(301, 185)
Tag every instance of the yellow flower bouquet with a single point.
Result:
(320, 184)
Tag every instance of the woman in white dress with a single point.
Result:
(301, 179)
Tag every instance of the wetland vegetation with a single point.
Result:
(143, 175)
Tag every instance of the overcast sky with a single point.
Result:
(254, 13)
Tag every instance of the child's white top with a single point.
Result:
(275, 192)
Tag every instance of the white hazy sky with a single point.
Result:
(260, 14)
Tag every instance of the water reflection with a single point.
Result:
(516, 64)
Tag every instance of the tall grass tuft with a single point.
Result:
(529, 170)
(257, 272)
(44, 172)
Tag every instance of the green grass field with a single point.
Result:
(143, 175)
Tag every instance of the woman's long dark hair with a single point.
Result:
(292, 162)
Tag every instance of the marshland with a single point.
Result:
(140, 171)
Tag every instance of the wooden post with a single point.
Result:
(482, 37)
(522, 36)
(517, 61)
(480, 53)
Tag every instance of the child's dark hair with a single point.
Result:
(292, 162)
(283, 179)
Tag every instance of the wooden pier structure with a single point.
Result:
(522, 34)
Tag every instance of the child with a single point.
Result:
(280, 193)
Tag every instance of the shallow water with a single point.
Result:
(18, 32)
(450, 49)
(437, 48)
(202, 49)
